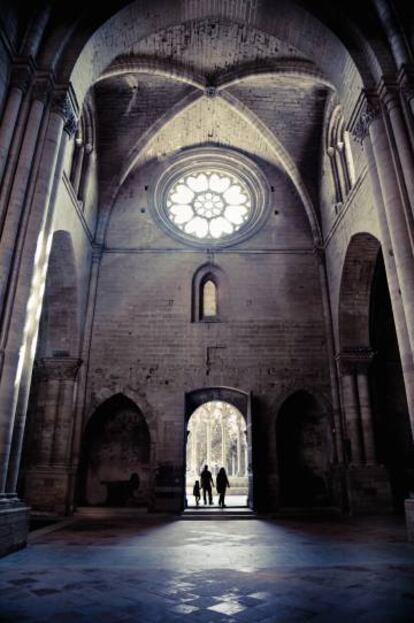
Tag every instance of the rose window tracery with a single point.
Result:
(209, 204)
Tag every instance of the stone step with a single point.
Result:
(201, 514)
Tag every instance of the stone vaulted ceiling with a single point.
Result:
(144, 113)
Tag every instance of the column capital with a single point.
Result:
(22, 74)
(367, 109)
(64, 104)
(354, 360)
(57, 368)
(389, 94)
(42, 87)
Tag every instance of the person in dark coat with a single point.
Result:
(196, 492)
(222, 483)
(206, 482)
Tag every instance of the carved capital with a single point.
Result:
(354, 360)
(57, 368)
(62, 105)
(370, 111)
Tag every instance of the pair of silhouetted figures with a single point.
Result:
(207, 483)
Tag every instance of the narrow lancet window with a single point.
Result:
(209, 300)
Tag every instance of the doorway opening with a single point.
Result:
(217, 437)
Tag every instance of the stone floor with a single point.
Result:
(152, 569)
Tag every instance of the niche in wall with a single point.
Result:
(116, 456)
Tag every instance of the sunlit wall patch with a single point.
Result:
(211, 197)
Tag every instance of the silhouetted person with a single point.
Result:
(206, 482)
(222, 482)
(196, 492)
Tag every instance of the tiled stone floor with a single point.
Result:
(153, 570)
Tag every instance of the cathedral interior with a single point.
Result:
(207, 258)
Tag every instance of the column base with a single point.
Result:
(369, 489)
(46, 489)
(14, 525)
(409, 518)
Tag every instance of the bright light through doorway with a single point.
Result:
(217, 438)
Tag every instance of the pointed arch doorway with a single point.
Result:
(218, 432)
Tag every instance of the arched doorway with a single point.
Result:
(115, 468)
(216, 436)
(232, 407)
(304, 451)
(394, 444)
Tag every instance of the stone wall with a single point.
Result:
(272, 340)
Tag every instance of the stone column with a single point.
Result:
(369, 120)
(337, 432)
(366, 416)
(246, 457)
(337, 182)
(404, 159)
(350, 405)
(26, 286)
(399, 313)
(21, 76)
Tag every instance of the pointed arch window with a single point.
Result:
(209, 295)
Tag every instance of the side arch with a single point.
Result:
(116, 463)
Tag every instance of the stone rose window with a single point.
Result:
(209, 204)
(211, 197)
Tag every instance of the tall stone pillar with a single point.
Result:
(52, 418)
(366, 416)
(24, 255)
(20, 79)
(406, 355)
(368, 121)
(346, 363)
